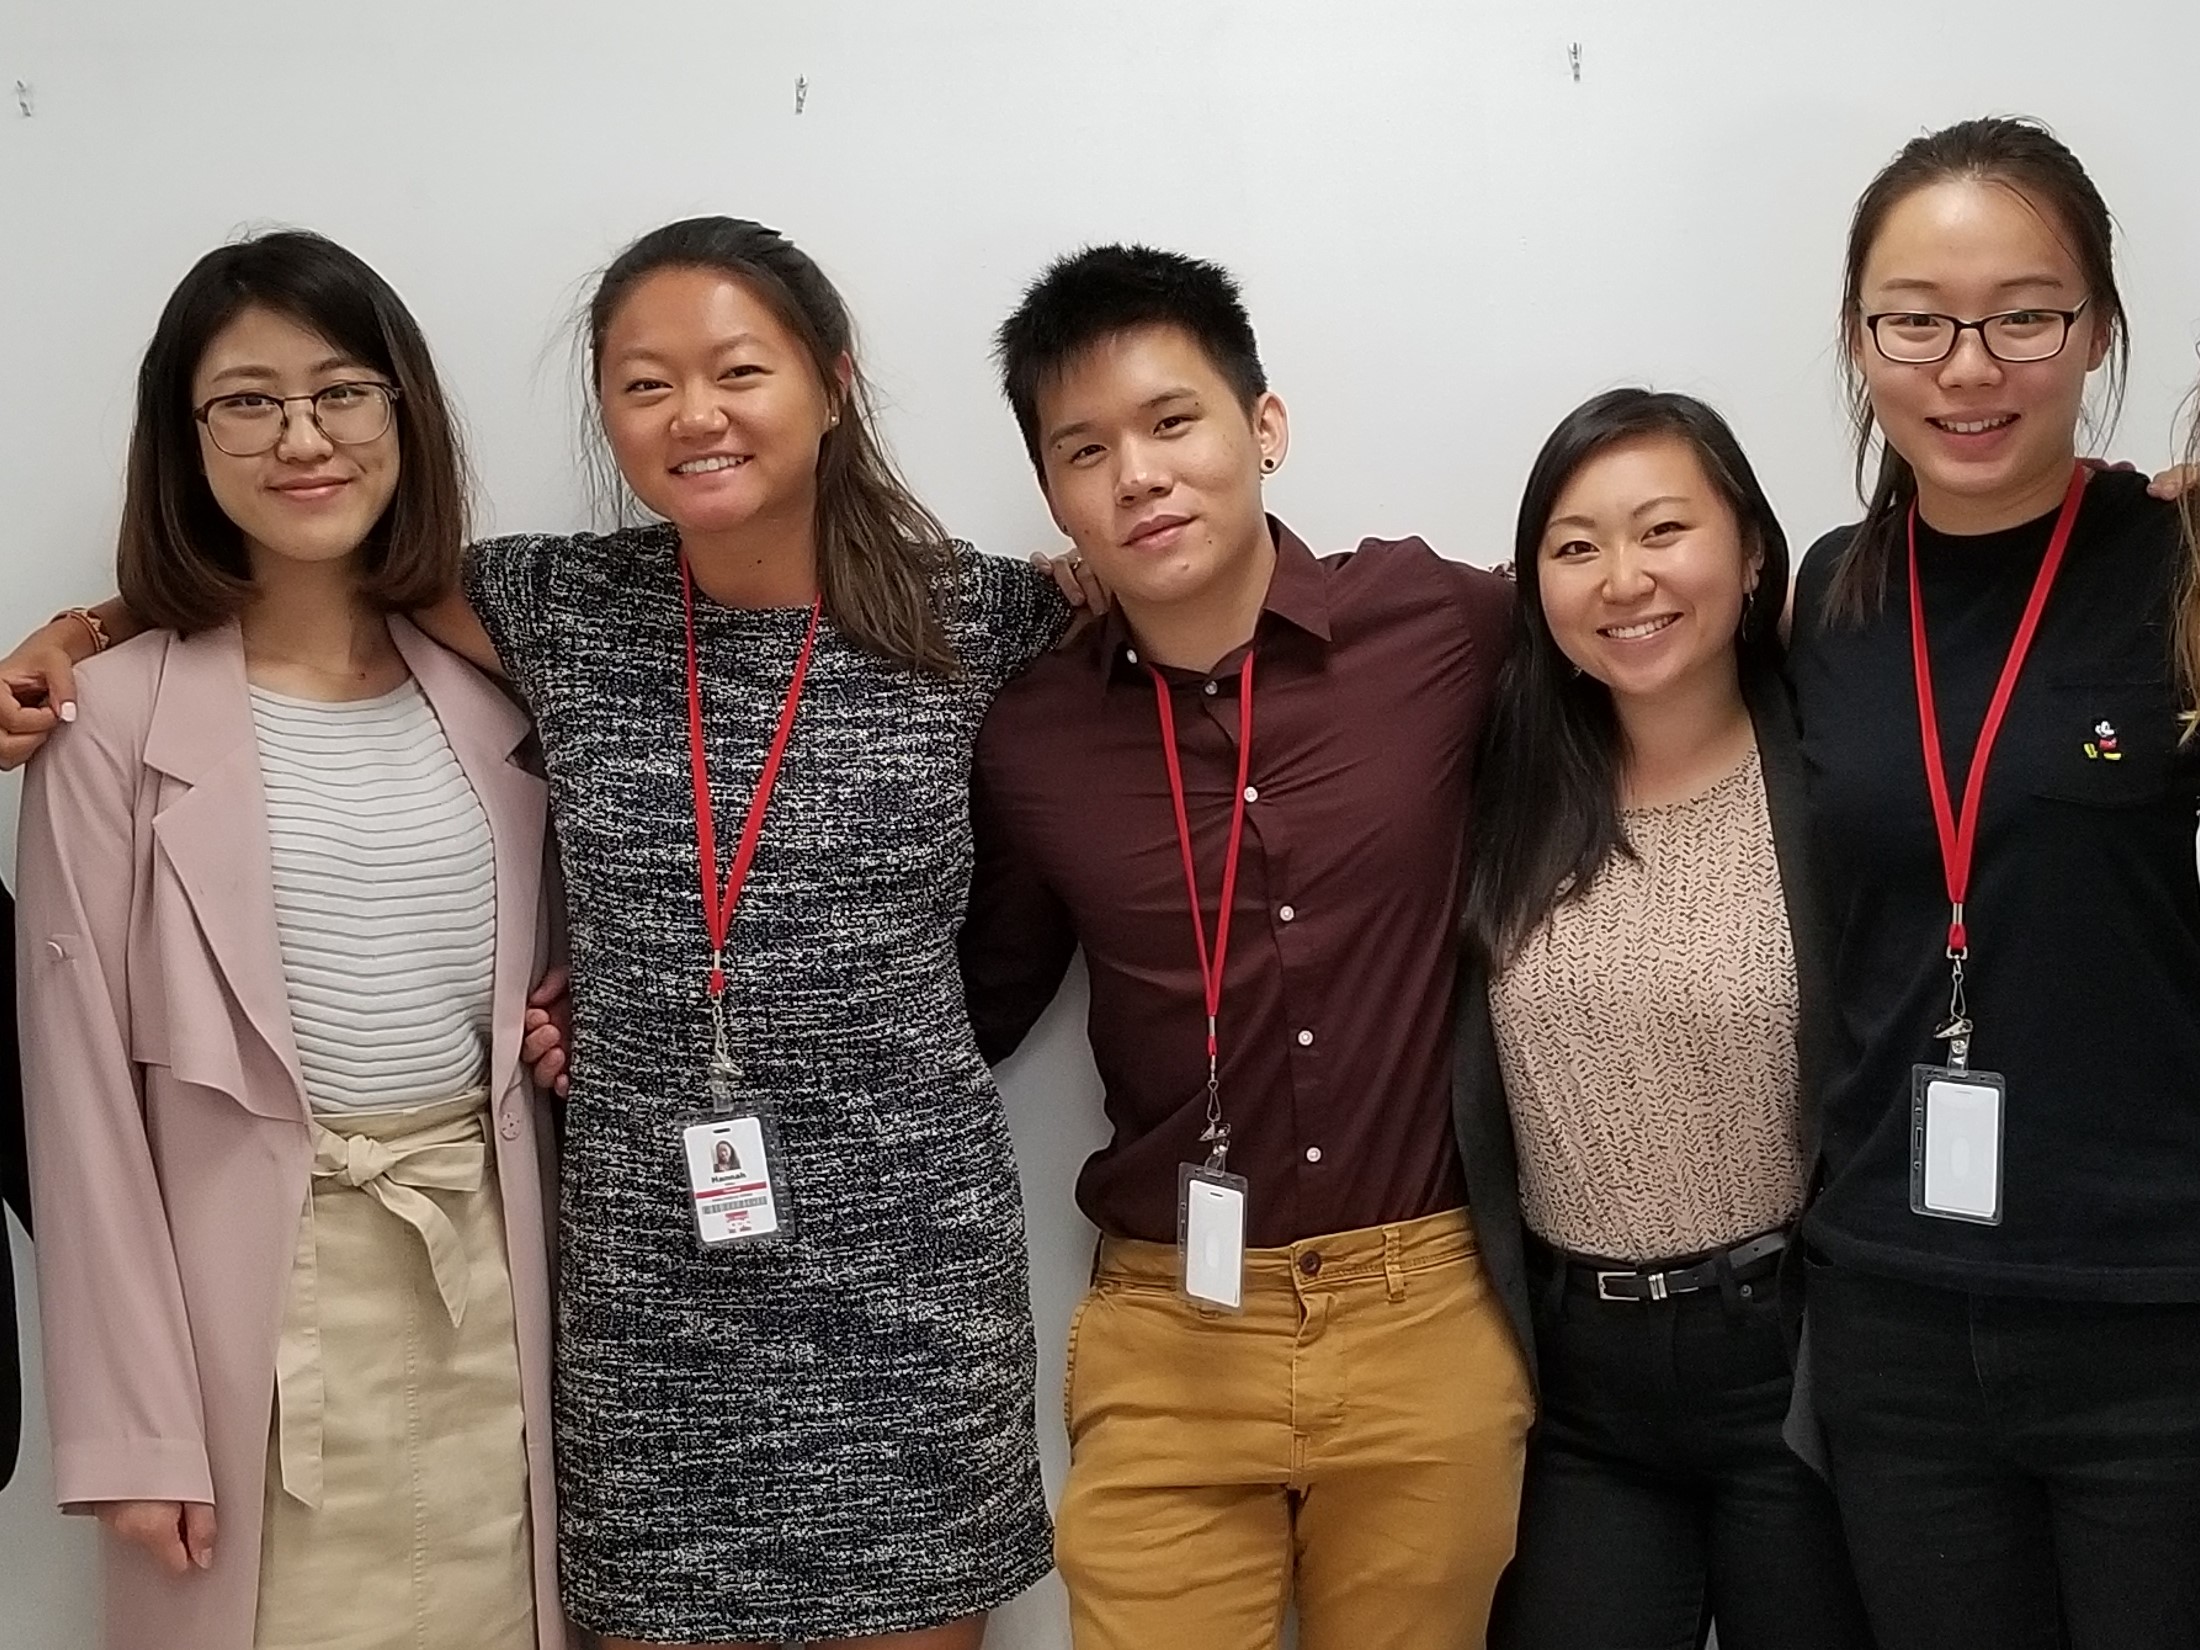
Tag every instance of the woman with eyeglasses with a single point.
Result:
(1993, 677)
(281, 901)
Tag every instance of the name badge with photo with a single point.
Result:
(730, 1168)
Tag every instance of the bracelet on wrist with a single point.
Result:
(84, 616)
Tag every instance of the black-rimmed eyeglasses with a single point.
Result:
(1918, 338)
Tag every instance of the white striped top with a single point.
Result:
(385, 898)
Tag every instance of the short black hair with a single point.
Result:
(1087, 297)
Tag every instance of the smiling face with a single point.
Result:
(713, 408)
(307, 498)
(1643, 571)
(1991, 441)
(1152, 464)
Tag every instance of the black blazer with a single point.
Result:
(1479, 1111)
(15, 1191)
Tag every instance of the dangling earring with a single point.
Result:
(1749, 605)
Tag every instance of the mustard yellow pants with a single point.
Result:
(1351, 1442)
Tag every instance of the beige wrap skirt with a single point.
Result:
(397, 1498)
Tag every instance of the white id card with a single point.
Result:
(1211, 1235)
(1955, 1144)
(729, 1167)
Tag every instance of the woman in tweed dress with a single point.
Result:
(830, 1436)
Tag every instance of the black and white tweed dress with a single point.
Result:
(832, 1436)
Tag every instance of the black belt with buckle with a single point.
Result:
(1743, 1262)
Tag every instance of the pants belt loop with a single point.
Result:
(1393, 1273)
(1554, 1290)
(1730, 1289)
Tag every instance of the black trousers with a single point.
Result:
(2014, 1474)
(1659, 1495)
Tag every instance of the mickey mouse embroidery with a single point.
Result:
(2102, 746)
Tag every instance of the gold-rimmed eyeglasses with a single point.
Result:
(251, 422)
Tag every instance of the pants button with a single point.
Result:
(1311, 1263)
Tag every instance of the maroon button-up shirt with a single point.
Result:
(1372, 679)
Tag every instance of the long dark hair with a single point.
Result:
(1547, 813)
(2022, 155)
(882, 556)
(180, 562)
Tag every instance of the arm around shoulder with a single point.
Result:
(1011, 613)
(452, 623)
(1016, 940)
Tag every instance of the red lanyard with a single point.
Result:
(1959, 839)
(1210, 963)
(718, 906)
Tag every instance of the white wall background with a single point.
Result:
(1446, 240)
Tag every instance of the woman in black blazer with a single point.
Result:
(1646, 1022)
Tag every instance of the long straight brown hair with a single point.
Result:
(883, 558)
(2022, 155)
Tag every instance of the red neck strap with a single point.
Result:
(1959, 836)
(719, 903)
(1211, 963)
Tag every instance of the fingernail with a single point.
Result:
(206, 1559)
(68, 710)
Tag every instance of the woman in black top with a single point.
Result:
(2005, 1324)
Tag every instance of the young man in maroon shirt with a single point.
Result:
(1337, 1415)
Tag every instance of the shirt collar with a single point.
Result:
(1298, 595)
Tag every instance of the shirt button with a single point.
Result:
(55, 951)
(1210, 690)
(1311, 1264)
(509, 1128)
(1252, 793)
(1289, 913)
(1313, 1154)
(1306, 1039)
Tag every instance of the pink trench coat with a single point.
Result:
(169, 1152)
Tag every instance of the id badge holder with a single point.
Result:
(1210, 1235)
(1956, 1125)
(736, 1179)
(1956, 1143)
